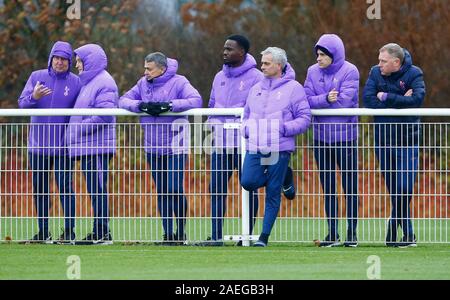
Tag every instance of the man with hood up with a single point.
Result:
(54, 87)
(396, 83)
(92, 139)
(276, 111)
(331, 83)
(166, 138)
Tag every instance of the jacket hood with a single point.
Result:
(94, 61)
(288, 75)
(335, 46)
(172, 68)
(407, 63)
(249, 63)
(61, 49)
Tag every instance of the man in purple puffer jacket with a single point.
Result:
(165, 137)
(276, 111)
(92, 139)
(230, 89)
(334, 83)
(54, 87)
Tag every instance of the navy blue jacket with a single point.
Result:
(396, 85)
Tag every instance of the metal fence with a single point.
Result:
(134, 186)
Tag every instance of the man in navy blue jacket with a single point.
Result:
(396, 83)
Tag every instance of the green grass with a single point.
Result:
(186, 262)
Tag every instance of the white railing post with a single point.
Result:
(245, 201)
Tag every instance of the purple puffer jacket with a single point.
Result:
(342, 76)
(276, 111)
(230, 89)
(93, 135)
(164, 135)
(47, 134)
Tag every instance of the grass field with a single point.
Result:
(300, 261)
(278, 261)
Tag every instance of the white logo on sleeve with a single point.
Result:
(66, 91)
(279, 95)
(241, 86)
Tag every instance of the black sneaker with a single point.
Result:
(94, 239)
(179, 240)
(351, 241)
(391, 240)
(105, 239)
(168, 240)
(210, 243)
(330, 242)
(391, 244)
(288, 185)
(259, 243)
(67, 238)
(408, 242)
(41, 238)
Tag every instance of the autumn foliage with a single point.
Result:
(296, 25)
(128, 32)
(29, 29)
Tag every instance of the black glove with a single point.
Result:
(155, 108)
